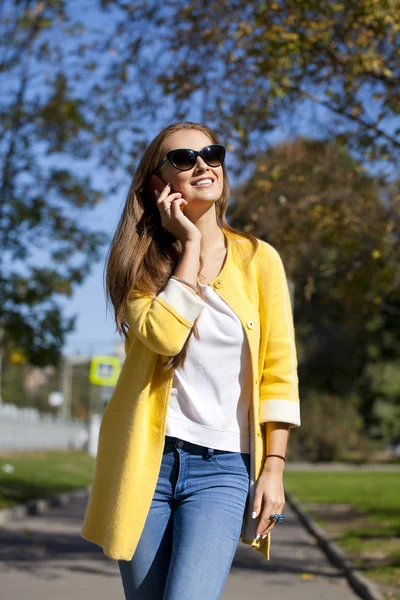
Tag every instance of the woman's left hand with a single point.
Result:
(269, 498)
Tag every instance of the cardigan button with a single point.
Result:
(180, 444)
(250, 324)
(219, 283)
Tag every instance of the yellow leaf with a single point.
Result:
(307, 576)
(17, 357)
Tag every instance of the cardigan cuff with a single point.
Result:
(184, 302)
(275, 409)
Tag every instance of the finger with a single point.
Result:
(258, 496)
(167, 188)
(165, 208)
(164, 193)
(266, 530)
(177, 205)
(167, 204)
(169, 198)
(266, 522)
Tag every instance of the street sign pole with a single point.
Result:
(104, 372)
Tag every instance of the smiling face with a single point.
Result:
(186, 182)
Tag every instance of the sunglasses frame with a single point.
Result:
(197, 153)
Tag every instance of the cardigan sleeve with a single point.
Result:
(279, 394)
(163, 322)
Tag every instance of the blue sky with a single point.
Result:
(95, 328)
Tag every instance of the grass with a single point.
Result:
(360, 512)
(43, 474)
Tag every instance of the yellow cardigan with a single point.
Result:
(133, 426)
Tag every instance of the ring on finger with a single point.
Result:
(268, 519)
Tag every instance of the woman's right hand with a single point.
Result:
(172, 217)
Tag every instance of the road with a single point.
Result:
(43, 557)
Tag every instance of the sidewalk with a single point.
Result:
(44, 557)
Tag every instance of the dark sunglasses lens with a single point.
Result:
(183, 159)
(214, 155)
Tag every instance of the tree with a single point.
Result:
(337, 230)
(47, 246)
(332, 220)
(245, 67)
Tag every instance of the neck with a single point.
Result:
(212, 237)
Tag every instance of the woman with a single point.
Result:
(193, 440)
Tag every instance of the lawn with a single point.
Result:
(42, 474)
(361, 513)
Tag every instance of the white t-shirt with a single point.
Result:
(210, 395)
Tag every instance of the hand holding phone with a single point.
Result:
(158, 185)
(171, 205)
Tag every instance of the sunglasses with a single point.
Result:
(184, 159)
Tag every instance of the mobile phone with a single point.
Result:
(156, 183)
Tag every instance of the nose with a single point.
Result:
(201, 164)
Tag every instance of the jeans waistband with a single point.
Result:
(174, 442)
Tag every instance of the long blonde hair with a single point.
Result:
(143, 255)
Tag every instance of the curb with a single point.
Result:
(41, 506)
(364, 587)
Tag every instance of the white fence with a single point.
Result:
(23, 429)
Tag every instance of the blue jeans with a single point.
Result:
(193, 526)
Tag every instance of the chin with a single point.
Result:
(198, 200)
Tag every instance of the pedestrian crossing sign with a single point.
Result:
(104, 370)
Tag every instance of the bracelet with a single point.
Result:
(184, 281)
(279, 456)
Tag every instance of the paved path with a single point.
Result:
(44, 557)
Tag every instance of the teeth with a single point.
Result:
(203, 182)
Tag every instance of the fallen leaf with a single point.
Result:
(307, 576)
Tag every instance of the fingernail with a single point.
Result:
(258, 536)
(254, 514)
(169, 183)
(157, 193)
(264, 536)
